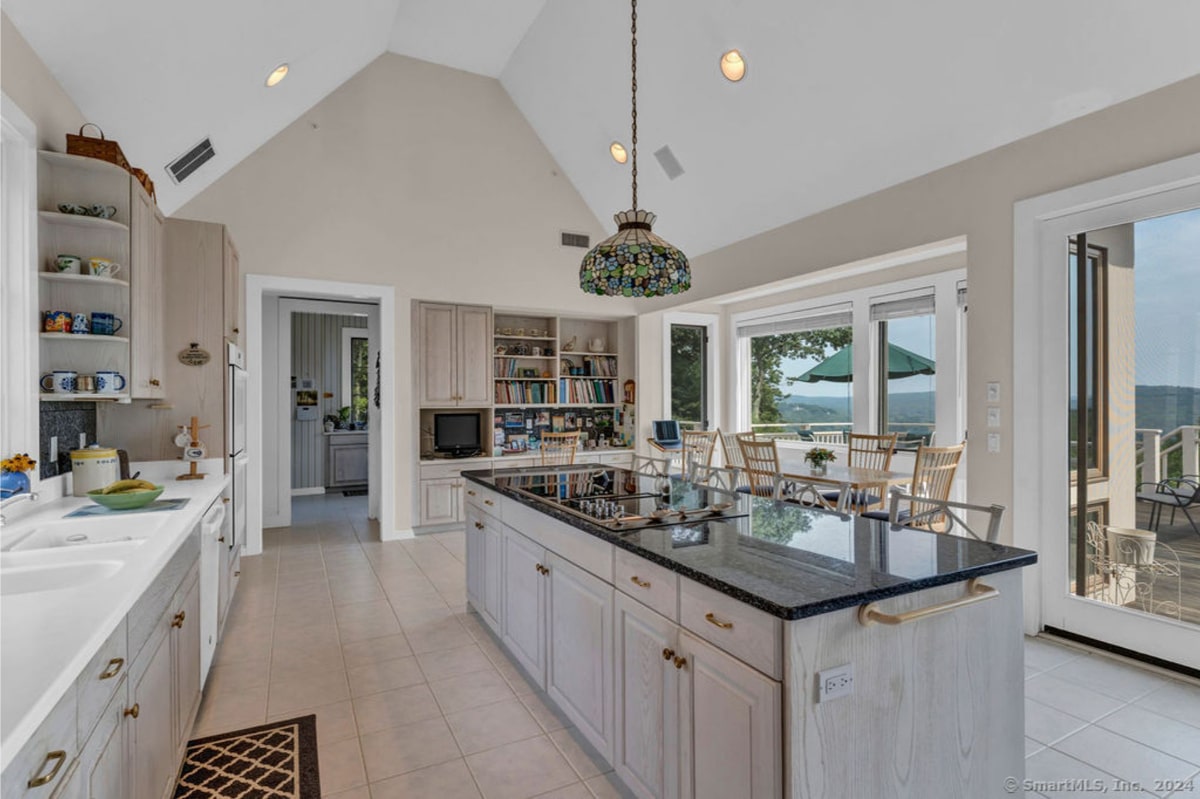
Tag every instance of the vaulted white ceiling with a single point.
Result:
(840, 99)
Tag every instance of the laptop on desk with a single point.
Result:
(666, 434)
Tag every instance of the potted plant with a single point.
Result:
(818, 458)
(13, 479)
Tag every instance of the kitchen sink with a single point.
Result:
(73, 533)
(55, 576)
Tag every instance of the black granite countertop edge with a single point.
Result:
(785, 612)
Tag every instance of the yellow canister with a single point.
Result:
(94, 467)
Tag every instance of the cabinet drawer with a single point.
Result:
(748, 634)
(99, 679)
(652, 585)
(485, 499)
(51, 749)
(152, 605)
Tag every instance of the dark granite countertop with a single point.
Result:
(786, 560)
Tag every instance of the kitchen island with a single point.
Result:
(724, 652)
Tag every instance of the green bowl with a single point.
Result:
(125, 501)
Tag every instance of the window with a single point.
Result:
(356, 373)
(689, 376)
(1087, 307)
(907, 391)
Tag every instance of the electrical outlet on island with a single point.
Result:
(835, 683)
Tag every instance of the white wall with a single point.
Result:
(29, 84)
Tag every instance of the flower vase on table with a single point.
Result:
(818, 459)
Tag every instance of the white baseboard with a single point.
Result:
(397, 535)
(308, 492)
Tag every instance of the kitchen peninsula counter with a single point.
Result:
(770, 681)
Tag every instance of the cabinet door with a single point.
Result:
(152, 751)
(232, 281)
(729, 726)
(146, 364)
(525, 603)
(105, 757)
(493, 576)
(185, 628)
(349, 464)
(475, 551)
(439, 501)
(579, 654)
(646, 687)
(474, 344)
(225, 557)
(436, 369)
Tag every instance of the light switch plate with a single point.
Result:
(993, 417)
(993, 443)
(993, 391)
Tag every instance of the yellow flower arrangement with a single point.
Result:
(18, 463)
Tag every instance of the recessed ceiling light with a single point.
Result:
(733, 66)
(279, 73)
(618, 152)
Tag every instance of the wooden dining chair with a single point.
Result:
(760, 458)
(558, 449)
(933, 477)
(698, 446)
(732, 454)
(799, 489)
(981, 522)
(865, 451)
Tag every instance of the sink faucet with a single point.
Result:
(15, 498)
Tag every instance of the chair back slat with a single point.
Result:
(761, 459)
(731, 450)
(933, 475)
(872, 452)
(558, 449)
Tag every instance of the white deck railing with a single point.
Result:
(1156, 447)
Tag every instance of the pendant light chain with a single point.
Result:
(633, 50)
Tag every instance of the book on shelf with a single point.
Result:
(587, 391)
(518, 392)
(601, 365)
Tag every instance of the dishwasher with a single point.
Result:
(210, 556)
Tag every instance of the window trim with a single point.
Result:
(348, 336)
(710, 324)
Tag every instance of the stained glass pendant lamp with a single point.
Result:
(634, 262)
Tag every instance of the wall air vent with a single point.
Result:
(581, 240)
(668, 161)
(189, 162)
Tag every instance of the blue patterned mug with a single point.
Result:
(105, 324)
(60, 381)
(108, 382)
(81, 325)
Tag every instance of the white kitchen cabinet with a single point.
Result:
(147, 364)
(493, 575)
(474, 546)
(44, 762)
(232, 284)
(441, 501)
(730, 726)
(104, 761)
(152, 748)
(525, 603)
(225, 555)
(454, 358)
(346, 460)
(185, 657)
(579, 662)
(646, 739)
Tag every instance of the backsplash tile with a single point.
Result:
(65, 420)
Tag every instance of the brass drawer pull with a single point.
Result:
(58, 755)
(542, 569)
(712, 619)
(478, 525)
(470, 493)
(179, 617)
(153, 381)
(133, 711)
(114, 666)
(221, 540)
(680, 662)
(225, 499)
(639, 583)
(869, 614)
(668, 654)
(488, 502)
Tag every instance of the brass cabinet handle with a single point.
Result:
(235, 330)
(712, 619)
(179, 617)
(221, 540)
(113, 667)
(225, 499)
(237, 573)
(133, 711)
(58, 755)
(153, 381)
(542, 569)
(488, 502)
(478, 525)
(976, 592)
(470, 493)
(639, 583)
(680, 662)
(668, 654)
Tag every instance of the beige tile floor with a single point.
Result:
(414, 700)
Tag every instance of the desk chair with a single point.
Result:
(558, 449)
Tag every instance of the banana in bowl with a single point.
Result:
(126, 494)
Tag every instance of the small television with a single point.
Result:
(456, 434)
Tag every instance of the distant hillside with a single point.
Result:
(1167, 407)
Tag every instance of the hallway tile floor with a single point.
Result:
(415, 700)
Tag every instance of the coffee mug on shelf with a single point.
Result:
(85, 384)
(56, 321)
(108, 382)
(105, 324)
(80, 325)
(67, 264)
(102, 211)
(60, 381)
(102, 267)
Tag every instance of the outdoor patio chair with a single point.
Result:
(1176, 493)
(558, 449)
(800, 490)
(944, 516)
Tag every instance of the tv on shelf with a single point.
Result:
(456, 434)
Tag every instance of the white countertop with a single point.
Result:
(48, 637)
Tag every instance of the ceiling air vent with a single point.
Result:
(190, 161)
(581, 240)
(668, 161)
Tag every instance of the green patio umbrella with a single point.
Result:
(839, 367)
